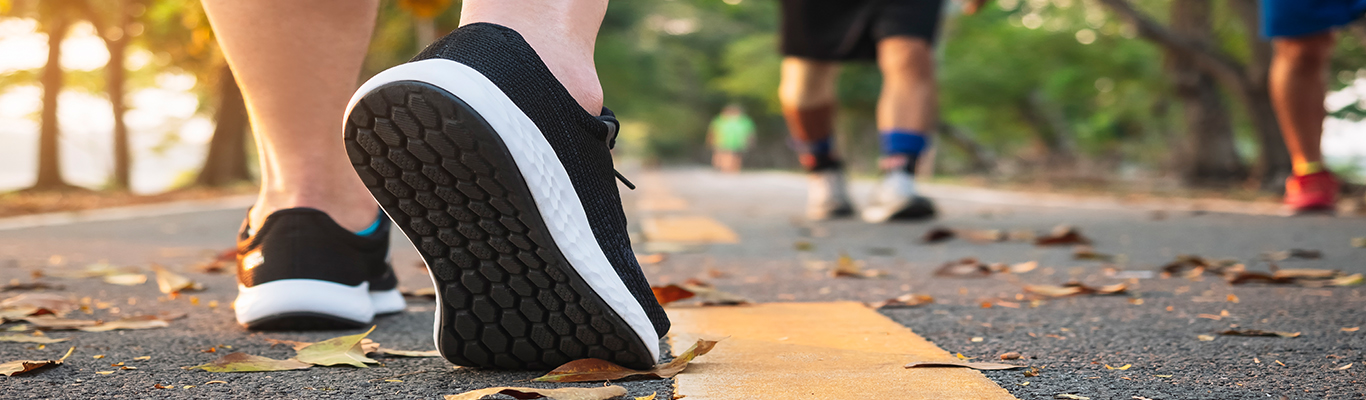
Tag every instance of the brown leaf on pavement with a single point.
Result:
(31, 339)
(50, 303)
(1191, 265)
(1075, 288)
(1071, 397)
(569, 393)
(172, 283)
(339, 350)
(123, 279)
(1305, 273)
(221, 262)
(671, 293)
(1023, 267)
(1254, 276)
(16, 314)
(243, 362)
(963, 268)
(144, 322)
(1084, 252)
(1349, 280)
(847, 267)
(50, 322)
(937, 234)
(983, 235)
(1014, 355)
(410, 353)
(1255, 332)
(593, 370)
(1292, 253)
(426, 293)
(974, 365)
(905, 301)
(1062, 235)
(17, 287)
(21, 366)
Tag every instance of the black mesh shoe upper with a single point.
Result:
(580, 140)
(305, 243)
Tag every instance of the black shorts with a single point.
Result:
(850, 29)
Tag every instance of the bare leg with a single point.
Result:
(1298, 84)
(909, 99)
(297, 62)
(563, 32)
(807, 94)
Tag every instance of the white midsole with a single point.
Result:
(545, 175)
(288, 296)
(387, 301)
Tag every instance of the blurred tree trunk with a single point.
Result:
(1209, 158)
(226, 162)
(1247, 81)
(1051, 131)
(116, 40)
(56, 21)
(980, 159)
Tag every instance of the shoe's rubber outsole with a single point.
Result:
(303, 321)
(920, 209)
(507, 295)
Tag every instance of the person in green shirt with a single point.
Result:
(731, 133)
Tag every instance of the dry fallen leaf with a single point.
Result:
(1124, 368)
(221, 262)
(243, 362)
(1292, 253)
(1075, 288)
(38, 303)
(593, 370)
(31, 339)
(1255, 332)
(847, 267)
(410, 353)
(1305, 273)
(1014, 355)
(1351, 329)
(1071, 397)
(426, 293)
(170, 282)
(974, 365)
(146, 322)
(937, 234)
(1349, 365)
(1023, 267)
(963, 268)
(126, 279)
(21, 366)
(49, 322)
(1205, 338)
(1087, 253)
(984, 235)
(569, 393)
(650, 397)
(1349, 280)
(339, 350)
(1062, 235)
(671, 293)
(906, 300)
(16, 286)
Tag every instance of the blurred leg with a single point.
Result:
(563, 33)
(909, 100)
(297, 62)
(1298, 85)
(807, 94)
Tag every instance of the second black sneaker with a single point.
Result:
(300, 270)
(506, 187)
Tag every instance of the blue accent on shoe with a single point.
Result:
(904, 142)
(373, 227)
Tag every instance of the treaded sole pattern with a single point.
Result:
(509, 298)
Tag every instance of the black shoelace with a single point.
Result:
(610, 119)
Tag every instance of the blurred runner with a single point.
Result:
(730, 135)
(1302, 38)
(899, 34)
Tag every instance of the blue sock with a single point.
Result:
(373, 227)
(820, 152)
(907, 143)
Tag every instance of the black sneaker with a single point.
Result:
(302, 271)
(506, 187)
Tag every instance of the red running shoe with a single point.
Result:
(1314, 192)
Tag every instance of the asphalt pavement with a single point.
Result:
(1154, 327)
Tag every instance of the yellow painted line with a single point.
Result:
(687, 229)
(838, 350)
